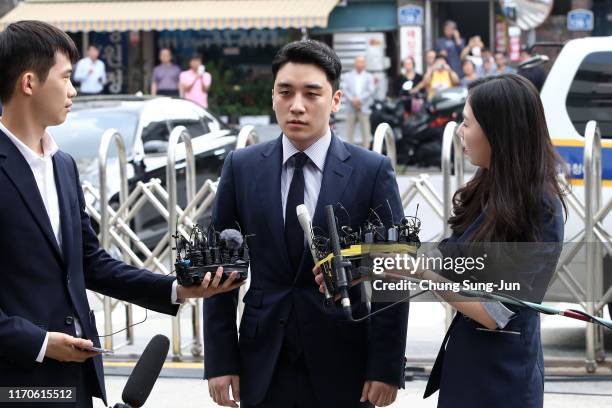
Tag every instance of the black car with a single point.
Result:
(145, 124)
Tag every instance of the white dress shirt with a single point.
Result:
(313, 170)
(360, 82)
(42, 169)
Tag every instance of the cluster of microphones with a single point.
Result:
(340, 254)
(204, 252)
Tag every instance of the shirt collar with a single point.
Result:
(316, 152)
(48, 144)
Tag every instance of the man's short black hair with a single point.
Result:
(30, 45)
(310, 52)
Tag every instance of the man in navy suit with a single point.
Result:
(48, 250)
(292, 351)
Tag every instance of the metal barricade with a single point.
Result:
(247, 136)
(180, 133)
(422, 186)
(110, 136)
(593, 239)
(117, 234)
(384, 140)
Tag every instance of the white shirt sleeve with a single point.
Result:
(80, 72)
(173, 296)
(43, 349)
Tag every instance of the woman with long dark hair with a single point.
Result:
(491, 355)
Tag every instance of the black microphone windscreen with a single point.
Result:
(145, 373)
(233, 238)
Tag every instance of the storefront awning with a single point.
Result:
(137, 15)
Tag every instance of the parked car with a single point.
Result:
(145, 123)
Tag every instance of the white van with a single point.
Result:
(579, 89)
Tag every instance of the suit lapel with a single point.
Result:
(336, 175)
(19, 172)
(62, 183)
(268, 185)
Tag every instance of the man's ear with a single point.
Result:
(336, 99)
(27, 82)
(273, 105)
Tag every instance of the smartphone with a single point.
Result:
(98, 350)
(201, 69)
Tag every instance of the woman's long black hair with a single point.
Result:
(522, 176)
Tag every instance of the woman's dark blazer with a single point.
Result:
(478, 367)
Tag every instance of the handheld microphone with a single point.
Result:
(306, 224)
(145, 373)
(339, 263)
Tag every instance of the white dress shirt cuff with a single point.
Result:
(43, 349)
(174, 296)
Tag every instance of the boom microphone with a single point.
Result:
(145, 373)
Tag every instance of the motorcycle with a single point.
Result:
(421, 137)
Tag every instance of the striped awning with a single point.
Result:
(134, 15)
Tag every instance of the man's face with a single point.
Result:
(194, 63)
(93, 53)
(52, 99)
(430, 57)
(449, 30)
(360, 63)
(165, 56)
(500, 60)
(303, 101)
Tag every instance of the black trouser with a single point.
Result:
(291, 387)
(83, 390)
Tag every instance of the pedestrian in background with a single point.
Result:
(534, 73)
(358, 88)
(165, 79)
(408, 82)
(469, 73)
(195, 82)
(439, 77)
(452, 44)
(91, 72)
(500, 61)
(474, 52)
(488, 67)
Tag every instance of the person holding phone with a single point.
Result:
(49, 250)
(439, 76)
(195, 82)
(451, 44)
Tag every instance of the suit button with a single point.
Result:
(282, 322)
(69, 320)
(68, 279)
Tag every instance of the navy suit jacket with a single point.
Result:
(339, 355)
(43, 286)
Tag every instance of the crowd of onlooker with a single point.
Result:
(453, 63)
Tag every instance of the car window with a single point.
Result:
(590, 94)
(155, 131)
(195, 126)
(214, 123)
(81, 133)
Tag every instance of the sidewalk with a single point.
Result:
(168, 392)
